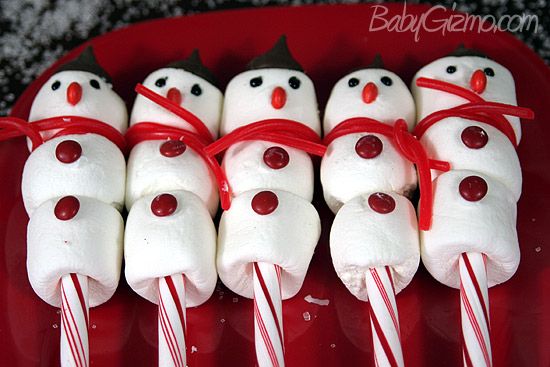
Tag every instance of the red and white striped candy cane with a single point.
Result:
(474, 310)
(74, 349)
(172, 321)
(268, 315)
(386, 335)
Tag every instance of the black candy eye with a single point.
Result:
(56, 85)
(294, 82)
(161, 82)
(196, 90)
(256, 82)
(451, 69)
(386, 80)
(489, 72)
(95, 84)
(353, 82)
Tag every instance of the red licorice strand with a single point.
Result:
(154, 131)
(277, 126)
(77, 129)
(499, 108)
(14, 127)
(181, 112)
(290, 141)
(358, 125)
(437, 116)
(420, 159)
(449, 88)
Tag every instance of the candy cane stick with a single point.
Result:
(268, 315)
(172, 321)
(386, 335)
(74, 349)
(474, 310)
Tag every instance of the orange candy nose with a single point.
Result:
(478, 81)
(174, 95)
(370, 92)
(278, 98)
(74, 93)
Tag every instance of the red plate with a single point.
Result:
(328, 41)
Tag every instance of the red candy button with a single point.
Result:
(381, 203)
(473, 188)
(172, 148)
(369, 146)
(66, 208)
(68, 151)
(276, 157)
(164, 205)
(265, 202)
(474, 137)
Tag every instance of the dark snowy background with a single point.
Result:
(34, 33)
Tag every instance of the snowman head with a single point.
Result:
(80, 88)
(187, 83)
(466, 68)
(275, 86)
(372, 92)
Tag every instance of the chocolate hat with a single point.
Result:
(377, 63)
(278, 57)
(194, 65)
(86, 61)
(464, 51)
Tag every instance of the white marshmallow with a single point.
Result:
(181, 243)
(345, 174)
(500, 87)
(361, 238)
(89, 244)
(245, 170)
(287, 237)
(99, 173)
(392, 102)
(206, 106)
(245, 104)
(102, 104)
(498, 158)
(487, 226)
(150, 172)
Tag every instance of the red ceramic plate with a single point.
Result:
(328, 41)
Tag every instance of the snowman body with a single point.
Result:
(79, 164)
(271, 219)
(257, 95)
(73, 183)
(474, 204)
(469, 143)
(153, 166)
(171, 193)
(366, 180)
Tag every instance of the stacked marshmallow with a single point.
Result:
(271, 219)
(73, 185)
(474, 204)
(171, 194)
(366, 180)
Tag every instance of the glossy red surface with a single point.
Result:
(329, 41)
(164, 205)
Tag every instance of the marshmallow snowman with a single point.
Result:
(155, 166)
(358, 163)
(73, 184)
(469, 143)
(365, 177)
(274, 87)
(171, 193)
(271, 218)
(76, 164)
